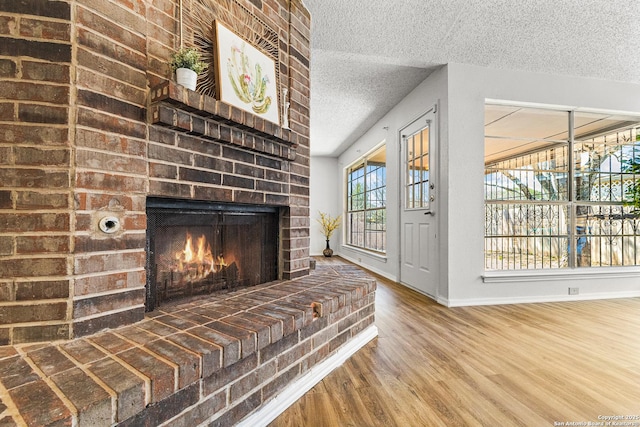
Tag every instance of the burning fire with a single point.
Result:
(198, 262)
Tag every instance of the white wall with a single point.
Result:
(460, 92)
(324, 197)
(469, 87)
(431, 91)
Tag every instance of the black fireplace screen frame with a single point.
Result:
(164, 213)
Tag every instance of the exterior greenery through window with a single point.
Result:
(366, 224)
(559, 187)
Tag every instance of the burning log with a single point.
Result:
(195, 270)
(198, 262)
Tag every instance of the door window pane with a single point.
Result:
(417, 173)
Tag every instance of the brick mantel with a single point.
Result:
(185, 110)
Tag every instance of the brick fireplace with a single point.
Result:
(92, 127)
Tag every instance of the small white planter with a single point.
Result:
(187, 78)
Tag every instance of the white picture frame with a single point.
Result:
(245, 76)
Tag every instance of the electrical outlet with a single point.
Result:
(574, 291)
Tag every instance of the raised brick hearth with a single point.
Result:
(211, 361)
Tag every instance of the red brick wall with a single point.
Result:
(110, 171)
(36, 201)
(76, 146)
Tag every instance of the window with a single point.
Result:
(556, 183)
(366, 202)
(417, 163)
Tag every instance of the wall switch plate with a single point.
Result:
(574, 291)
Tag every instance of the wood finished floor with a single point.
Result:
(510, 365)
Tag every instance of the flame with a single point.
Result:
(198, 261)
(220, 262)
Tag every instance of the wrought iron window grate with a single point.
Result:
(562, 204)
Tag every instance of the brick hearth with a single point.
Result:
(210, 361)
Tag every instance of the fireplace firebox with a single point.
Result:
(198, 248)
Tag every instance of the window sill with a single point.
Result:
(378, 255)
(575, 274)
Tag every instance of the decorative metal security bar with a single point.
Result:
(554, 204)
(526, 211)
(535, 176)
(526, 236)
(607, 236)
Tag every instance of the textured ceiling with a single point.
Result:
(366, 55)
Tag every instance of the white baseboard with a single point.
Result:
(276, 406)
(368, 267)
(536, 299)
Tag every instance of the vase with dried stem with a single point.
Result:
(329, 224)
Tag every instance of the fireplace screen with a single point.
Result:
(197, 248)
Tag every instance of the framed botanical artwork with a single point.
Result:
(245, 76)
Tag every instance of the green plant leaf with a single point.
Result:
(187, 57)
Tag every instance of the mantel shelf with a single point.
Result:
(188, 111)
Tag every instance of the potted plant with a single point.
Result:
(329, 224)
(186, 63)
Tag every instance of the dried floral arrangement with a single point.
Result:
(329, 224)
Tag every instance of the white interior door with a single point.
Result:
(418, 216)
